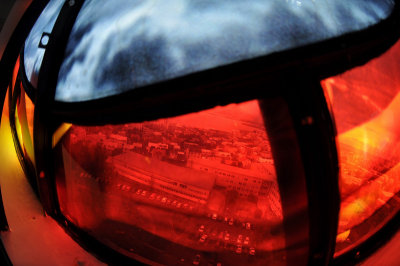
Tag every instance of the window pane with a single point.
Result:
(198, 188)
(147, 42)
(365, 104)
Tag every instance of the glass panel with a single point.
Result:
(198, 188)
(33, 55)
(120, 45)
(365, 104)
(24, 124)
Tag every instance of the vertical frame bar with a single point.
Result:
(47, 81)
(291, 178)
(316, 134)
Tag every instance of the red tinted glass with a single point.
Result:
(198, 188)
(365, 104)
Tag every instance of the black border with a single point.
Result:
(3, 217)
(4, 259)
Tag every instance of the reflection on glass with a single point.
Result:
(198, 188)
(366, 106)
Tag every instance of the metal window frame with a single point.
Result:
(14, 93)
(28, 87)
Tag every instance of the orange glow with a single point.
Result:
(343, 236)
(30, 110)
(13, 84)
(15, 72)
(24, 123)
(366, 105)
(24, 112)
(7, 143)
(32, 234)
(59, 133)
(18, 128)
(198, 184)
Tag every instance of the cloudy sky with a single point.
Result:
(33, 54)
(120, 45)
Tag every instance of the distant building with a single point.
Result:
(119, 138)
(246, 182)
(180, 181)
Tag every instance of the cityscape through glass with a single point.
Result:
(198, 187)
(365, 105)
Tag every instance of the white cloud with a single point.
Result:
(119, 45)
